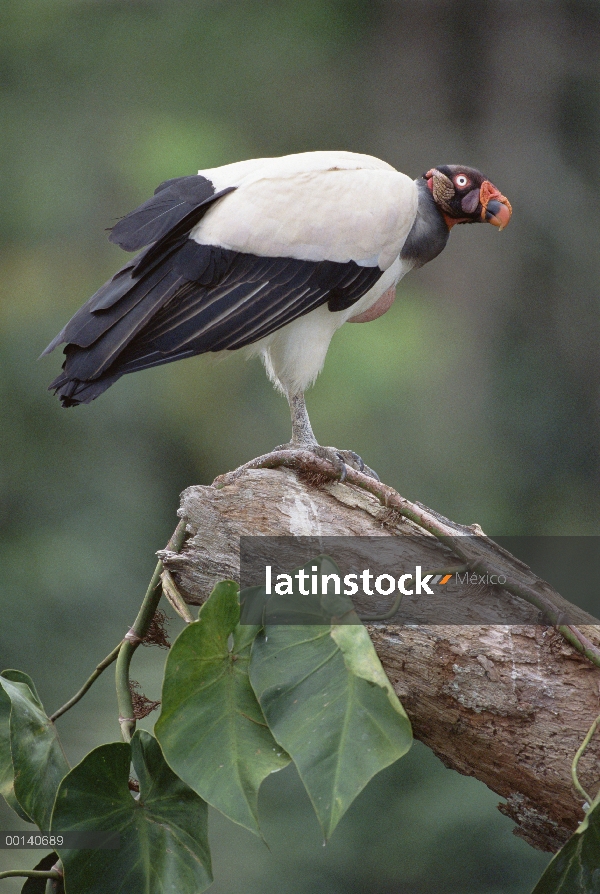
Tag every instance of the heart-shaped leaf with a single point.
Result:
(329, 704)
(211, 728)
(576, 867)
(163, 833)
(38, 760)
(7, 774)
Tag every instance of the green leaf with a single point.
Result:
(38, 760)
(17, 676)
(575, 869)
(329, 704)
(211, 728)
(163, 834)
(6, 765)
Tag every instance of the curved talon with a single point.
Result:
(358, 460)
(343, 470)
(355, 461)
(335, 457)
(370, 472)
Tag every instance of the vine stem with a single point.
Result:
(135, 635)
(30, 873)
(477, 551)
(578, 754)
(112, 656)
(579, 641)
(106, 662)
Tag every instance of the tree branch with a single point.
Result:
(508, 704)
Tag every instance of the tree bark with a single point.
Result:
(508, 704)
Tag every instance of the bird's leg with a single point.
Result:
(303, 438)
(302, 433)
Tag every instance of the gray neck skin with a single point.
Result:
(429, 232)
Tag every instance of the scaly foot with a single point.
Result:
(339, 459)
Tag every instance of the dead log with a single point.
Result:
(508, 704)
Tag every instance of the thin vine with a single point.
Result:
(134, 637)
(123, 651)
(578, 754)
(100, 668)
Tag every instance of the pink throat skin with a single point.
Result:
(380, 307)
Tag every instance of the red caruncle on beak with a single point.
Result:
(495, 208)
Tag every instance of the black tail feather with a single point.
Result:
(72, 392)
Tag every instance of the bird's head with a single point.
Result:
(463, 195)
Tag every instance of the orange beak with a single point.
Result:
(495, 208)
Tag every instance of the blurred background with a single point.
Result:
(476, 394)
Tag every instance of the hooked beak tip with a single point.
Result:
(498, 214)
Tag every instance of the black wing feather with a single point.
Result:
(181, 199)
(178, 298)
(196, 299)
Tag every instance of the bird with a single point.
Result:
(270, 256)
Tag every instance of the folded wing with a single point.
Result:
(221, 273)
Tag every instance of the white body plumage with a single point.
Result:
(294, 355)
(314, 206)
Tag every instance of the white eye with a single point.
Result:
(461, 180)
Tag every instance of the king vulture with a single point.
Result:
(270, 255)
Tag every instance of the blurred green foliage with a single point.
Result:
(477, 393)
